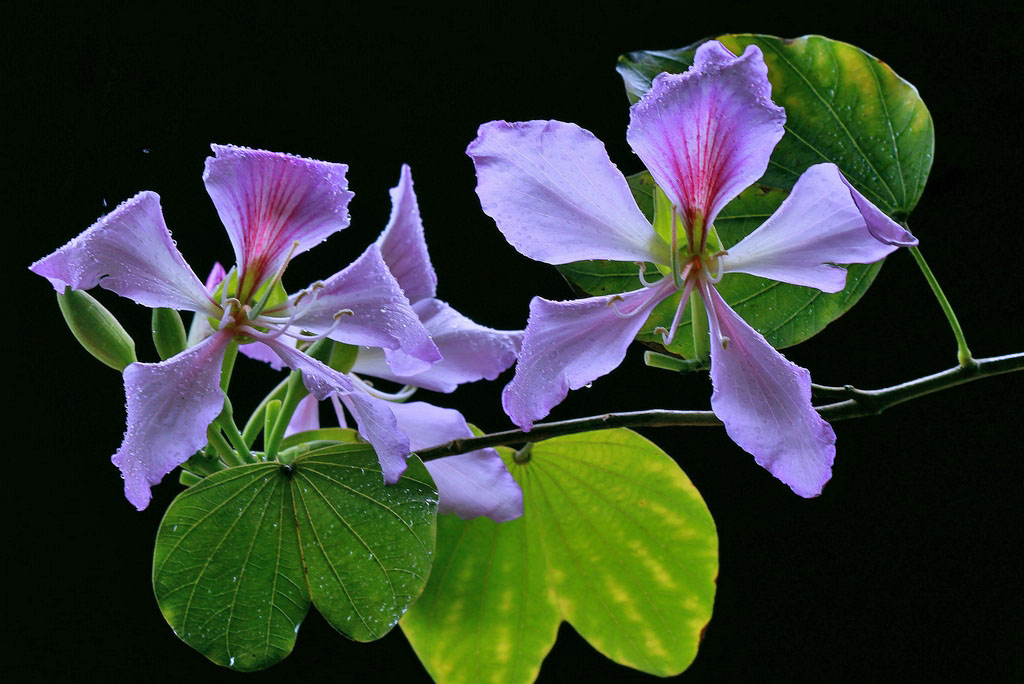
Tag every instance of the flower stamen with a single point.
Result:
(399, 396)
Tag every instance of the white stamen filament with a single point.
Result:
(643, 270)
(668, 335)
(716, 331)
(297, 312)
(399, 396)
(717, 278)
(258, 309)
(224, 288)
(614, 302)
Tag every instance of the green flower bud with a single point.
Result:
(96, 329)
(168, 333)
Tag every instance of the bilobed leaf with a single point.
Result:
(842, 106)
(367, 547)
(614, 539)
(240, 555)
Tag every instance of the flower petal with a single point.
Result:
(306, 416)
(380, 314)
(170, 404)
(402, 243)
(259, 351)
(469, 351)
(765, 402)
(707, 134)
(377, 424)
(320, 379)
(557, 197)
(569, 344)
(818, 224)
(129, 251)
(269, 201)
(470, 485)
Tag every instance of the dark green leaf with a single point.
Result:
(227, 571)
(240, 555)
(367, 547)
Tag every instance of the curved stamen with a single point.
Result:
(224, 288)
(643, 270)
(706, 270)
(313, 338)
(256, 310)
(399, 396)
(297, 312)
(668, 335)
(229, 306)
(614, 301)
(716, 331)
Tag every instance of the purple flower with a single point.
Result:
(704, 135)
(274, 207)
(471, 484)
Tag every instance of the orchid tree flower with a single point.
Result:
(274, 207)
(471, 484)
(704, 135)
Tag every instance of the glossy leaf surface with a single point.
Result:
(615, 540)
(240, 555)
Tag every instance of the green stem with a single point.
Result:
(254, 425)
(963, 354)
(227, 454)
(293, 395)
(230, 354)
(857, 404)
(699, 328)
(226, 422)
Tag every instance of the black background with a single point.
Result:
(905, 568)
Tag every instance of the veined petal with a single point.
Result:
(170, 405)
(820, 223)
(557, 197)
(129, 251)
(469, 351)
(269, 201)
(377, 424)
(765, 402)
(402, 243)
(570, 344)
(320, 379)
(380, 315)
(707, 134)
(470, 485)
(306, 416)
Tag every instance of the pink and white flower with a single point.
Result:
(704, 135)
(274, 207)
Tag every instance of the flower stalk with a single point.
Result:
(963, 353)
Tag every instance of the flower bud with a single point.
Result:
(168, 333)
(96, 329)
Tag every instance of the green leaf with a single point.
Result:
(785, 314)
(367, 547)
(615, 540)
(842, 106)
(240, 555)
